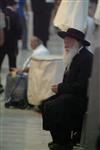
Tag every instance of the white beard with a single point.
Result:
(68, 56)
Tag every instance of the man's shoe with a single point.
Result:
(59, 147)
(78, 147)
(37, 109)
(50, 144)
(1, 89)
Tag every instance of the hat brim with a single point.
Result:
(63, 34)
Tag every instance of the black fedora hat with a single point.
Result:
(74, 33)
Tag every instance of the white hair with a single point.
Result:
(69, 54)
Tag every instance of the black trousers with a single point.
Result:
(11, 58)
(24, 32)
(41, 23)
(61, 137)
(68, 133)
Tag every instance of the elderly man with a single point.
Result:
(38, 50)
(63, 112)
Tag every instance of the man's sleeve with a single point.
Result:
(82, 80)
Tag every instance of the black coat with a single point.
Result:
(41, 6)
(38, 5)
(62, 109)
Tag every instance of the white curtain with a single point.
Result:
(72, 13)
(44, 72)
(97, 13)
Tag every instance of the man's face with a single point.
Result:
(15, 7)
(91, 9)
(34, 43)
(69, 43)
(71, 47)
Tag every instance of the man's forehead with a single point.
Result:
(34, 38)
(69, 38)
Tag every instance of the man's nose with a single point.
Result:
(66, 44)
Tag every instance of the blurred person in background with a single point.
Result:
(42, 11)
(38, 50)
(12, 33)
(2, 26)
(92, 7)
(22, 11)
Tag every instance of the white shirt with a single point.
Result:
(41, 50)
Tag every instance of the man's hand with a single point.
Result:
(19, 70)
(54, 88)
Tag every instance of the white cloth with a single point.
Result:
(97, 13)
(47, 71)
(41, 50)
(72, 13)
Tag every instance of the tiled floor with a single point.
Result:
(21, 130)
